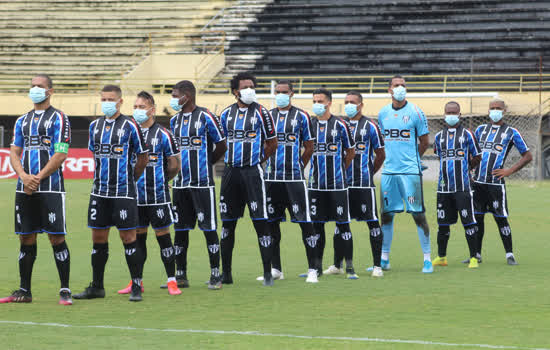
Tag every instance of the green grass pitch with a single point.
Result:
(496, 305)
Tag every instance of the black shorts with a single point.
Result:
(159, 216)
(362, 204)
(104, 212)
(241, 187)
(192, 205)
(490, 198)
(40, 212)
(290, 195)
(451, 205)
(329, 205)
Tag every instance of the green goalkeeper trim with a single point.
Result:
(61, 147)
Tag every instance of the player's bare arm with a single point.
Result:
(308, 152)
(53, 164)
(30, 182)
(380, 156)
(142, 160)
(424, 141)
(219, 151)
(474, 161)
(173, 167)
(525, 159)
(350, 154)
(269, 148)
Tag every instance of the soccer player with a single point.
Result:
(369, 157)
(328, 194)
(496, 140)
(40, 145)
(285, 183)
(114, 140)
(153, 195)
(405, 130)
(251, 140)
(197, 132)
(458, 152)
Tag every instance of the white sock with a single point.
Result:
(170, 279)
(509, 255)
(427, 257)
(385, 256)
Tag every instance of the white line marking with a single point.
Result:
(278, 335)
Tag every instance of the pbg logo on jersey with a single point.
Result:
(6, 171)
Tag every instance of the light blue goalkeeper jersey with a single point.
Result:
(401, 128)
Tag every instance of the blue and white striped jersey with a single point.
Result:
(114, 143)
(293, 128)
(37, 133)
(455, 146)
(327, 170)
(153, 185)
(367, 138)
(246, 130)
(496, 142)
(196, 133)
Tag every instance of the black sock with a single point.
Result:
(443, 234)
(310, 240)
(213, 247)
(319, 229)
(227, 244)
(27, 256)
(376, 238)
(338, 245)
(141, 239)
(471, 232)
(167, 254)
(265, 244)
(181, 243)
(480, 218)
(134, 260)
(347, 244)
(100, 254)
(63, 262)
(275, 229)
(505, 233)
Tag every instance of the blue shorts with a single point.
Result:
(396, 189)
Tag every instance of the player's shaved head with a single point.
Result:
(452, 107)
(497, 104)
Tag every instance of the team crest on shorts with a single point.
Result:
(340, 210)
(464, 213)
(495, 204)
(51, 217)
(364, 208)
(410, 199)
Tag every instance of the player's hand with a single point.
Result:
(423, 166)
(500, 173)
(31, 182)
(27, 191)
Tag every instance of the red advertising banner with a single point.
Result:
(79, 164)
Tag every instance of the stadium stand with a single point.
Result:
(76, 40)
(413, 37)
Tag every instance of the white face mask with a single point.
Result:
(248, 95)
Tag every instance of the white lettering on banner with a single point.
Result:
(79, 164)
(5, 167)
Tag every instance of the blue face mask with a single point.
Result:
(108, 108)
(399, 93)
(350, 109)
(319, 109)
(452, 119)
(495, 115)
(174, 103)
(282, 100)
(140, 115)
(37, 94)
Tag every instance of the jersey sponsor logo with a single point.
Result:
(323, 148)
(189, 142)
(153, 159)
(286, 138)
(106, 150)
(360, 147)
(241, 135)
(457, 153)
(491, 147)
(397, 134)
(40, 142)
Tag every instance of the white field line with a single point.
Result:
(277, 335)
